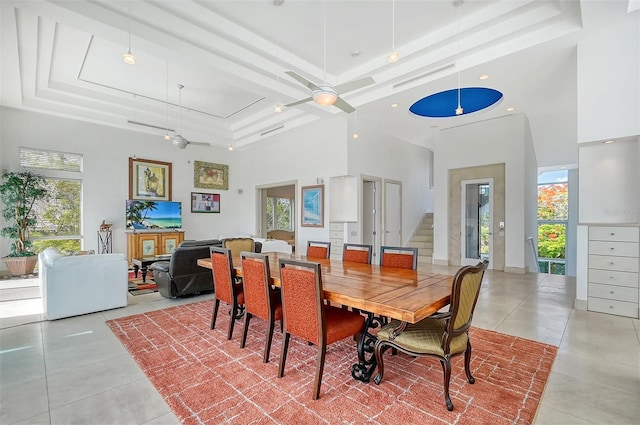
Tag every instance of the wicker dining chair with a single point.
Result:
(443, 335)
(357, 253)
(307, 317)
(399, 256)
(261, 299)
(225, 286)
(318, 249)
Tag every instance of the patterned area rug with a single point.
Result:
(137, 287)
(209, 380)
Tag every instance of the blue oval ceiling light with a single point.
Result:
(444, 103)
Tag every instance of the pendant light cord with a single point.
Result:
(393, 25)
(324, 34)
(458, 5)
(129, 26)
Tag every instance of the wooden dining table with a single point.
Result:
(382, 293)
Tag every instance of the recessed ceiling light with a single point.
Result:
(355, 135)
(608, 142)
(394, 105)
(277, 108)
(484, 76)
(230, 148)
(510, 109)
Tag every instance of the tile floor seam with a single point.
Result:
(595, 382)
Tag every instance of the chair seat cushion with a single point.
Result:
(424, 337)
(341, 323)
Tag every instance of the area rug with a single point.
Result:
(206, 379)
(137, 287)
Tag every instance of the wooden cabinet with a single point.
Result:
(613, 270)
(149, 244)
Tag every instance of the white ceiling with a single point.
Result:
(65, 58)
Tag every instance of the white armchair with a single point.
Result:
(74, 285)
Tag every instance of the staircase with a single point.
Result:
(423, 239)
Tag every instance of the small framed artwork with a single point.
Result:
(205, 202)
(207, 175)
(313, 206)
(149, 180)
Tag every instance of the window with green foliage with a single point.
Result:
(279, 214)
(553, 215)
(59, 218)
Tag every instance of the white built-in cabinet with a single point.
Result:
(613, 284)
(336, 237)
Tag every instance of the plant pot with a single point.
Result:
(21, 266)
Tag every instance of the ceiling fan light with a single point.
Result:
(459, 110)
(179, 142)
(167, 136)
(394, 57)
(129, 58)
(325, 96)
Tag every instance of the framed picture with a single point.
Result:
(205, 202)
(313, 206)
(149, 180)
(207, 175)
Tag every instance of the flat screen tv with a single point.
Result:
(150, 215)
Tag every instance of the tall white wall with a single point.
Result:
(501, 140)
(380, 155)
(609, 78)
(530, 190)
(105, 174)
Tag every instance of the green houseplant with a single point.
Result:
(19, 192)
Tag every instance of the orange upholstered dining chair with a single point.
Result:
(307, 317)
(357, 253)
(318, 249)
(399, 256)
(225, 286)
(261, 299)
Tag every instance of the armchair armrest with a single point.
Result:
(161, 266)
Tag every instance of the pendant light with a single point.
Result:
(355, 125)
(128, 57)
(178, 140)
(326, 95)
(393, 56)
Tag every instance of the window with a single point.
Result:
(279, 214)
(553, 215)
(58, 220)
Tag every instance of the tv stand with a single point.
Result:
(151, 244)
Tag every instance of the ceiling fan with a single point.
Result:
(324, 94)
(177, 140)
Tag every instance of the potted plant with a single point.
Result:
(19, 192)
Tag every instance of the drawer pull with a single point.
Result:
(611, 277)
(613, 234)
(611, 263)
(612, 248)
(611, 292)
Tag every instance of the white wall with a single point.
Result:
(530, 190)
(609, 79)
(610, 182)
(501, 140)
(570, 253)
(105, 177)
(380, 155)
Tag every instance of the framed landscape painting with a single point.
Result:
(149, 180)
(313, 206)
(207, 175)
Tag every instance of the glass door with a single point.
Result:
(477, 221)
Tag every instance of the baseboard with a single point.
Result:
(515, 270)
(440, 262)
(580, 304)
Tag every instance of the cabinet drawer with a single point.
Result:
(613, 292)
(621, 249)
(611, 277)
(621, 308)
(336, 235)
(624, 264)
(336, 226)
(621, 234)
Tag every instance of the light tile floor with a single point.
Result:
(75, 370)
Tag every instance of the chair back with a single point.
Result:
(357, 253)
(318, 249)
(223, 273)
(302, 295)
(256, 280)
(464, 295)
(401, 257)
(236, 245)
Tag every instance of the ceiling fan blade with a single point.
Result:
(340, 103)
(199, 143)
(302, 80)
(299, 102)
(354, 85)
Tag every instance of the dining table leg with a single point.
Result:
(363, 370)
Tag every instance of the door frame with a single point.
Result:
(384, 208)
(260, 206)
(378, 218)
(463, 241)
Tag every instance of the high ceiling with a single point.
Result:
(65, 58)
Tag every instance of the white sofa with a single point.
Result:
(74, 285)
